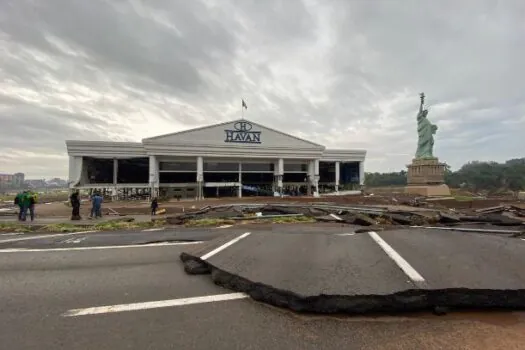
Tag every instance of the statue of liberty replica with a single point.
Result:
(425, 133)
(426, 175)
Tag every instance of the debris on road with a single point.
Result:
(376, 216)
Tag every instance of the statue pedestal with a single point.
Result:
(426, 177)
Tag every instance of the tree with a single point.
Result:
(474, 175)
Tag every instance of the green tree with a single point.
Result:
(474, 175)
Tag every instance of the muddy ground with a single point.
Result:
(173, 207)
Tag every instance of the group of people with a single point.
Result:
(96, 205)
(25, 201)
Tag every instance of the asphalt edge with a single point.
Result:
(411, 300)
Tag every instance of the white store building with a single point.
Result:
(236, 158)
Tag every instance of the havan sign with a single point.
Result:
(242, 134)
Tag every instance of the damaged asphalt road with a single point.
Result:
(355, 273)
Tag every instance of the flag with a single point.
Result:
(244, 104)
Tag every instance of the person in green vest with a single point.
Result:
(24, 201)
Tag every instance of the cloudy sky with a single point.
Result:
(343, 73)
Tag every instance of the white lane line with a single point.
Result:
(345, 234)
(153, 304)
(224, 226)
(153, 229)
(398, 259)
(224, 246)
(74, 240)
(44, 236)
(29, 250)
(11, 234)
(338, 218)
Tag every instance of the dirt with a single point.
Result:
(390, 200)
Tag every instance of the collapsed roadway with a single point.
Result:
(399, 270)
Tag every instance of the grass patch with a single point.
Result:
(63, 228)
(127, 225)
(463, 198)
(10, 227)
(206, 222)
(290, 220)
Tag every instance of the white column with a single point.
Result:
(114, 190)
(337, 170)
(278, 172)
(153, 175)
(200, 177)
(316, 176)
(200, 168)
(77, 173)
(239, 193)
(362, 172)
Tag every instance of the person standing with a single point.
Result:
(31, 201)
(75, 204)
(25, 204)
(19, 201)
(96, 209)
(154, 206)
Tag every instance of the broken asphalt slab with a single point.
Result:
(330, 273)
(362, 216)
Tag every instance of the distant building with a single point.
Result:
(6, 179)
(12, 180)
(18, 180)
(36, 183)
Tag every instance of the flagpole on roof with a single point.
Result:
(243, 106)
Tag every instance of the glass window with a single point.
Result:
(257, 167)
(178, 166)
(295, 167)
(219, 166)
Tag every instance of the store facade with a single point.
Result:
(237, 158)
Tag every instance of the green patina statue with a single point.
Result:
(425, 132)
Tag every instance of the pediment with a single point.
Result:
(236, 133)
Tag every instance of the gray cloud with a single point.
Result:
(345, 74)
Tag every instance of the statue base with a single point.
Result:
(429, 190)
(426, 177)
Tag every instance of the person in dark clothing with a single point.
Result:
(32, 201)
(75, 204)
(154, 206)
(19, 201)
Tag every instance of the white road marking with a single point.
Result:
(398, 259)
(74, 240)
(224, 226)
(44, 236)
(153, 304)
(11, 234)
(345, 234)
(153, 229)
(224, 246)
(28, 250)
(336, 217)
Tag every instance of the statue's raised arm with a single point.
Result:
(422, 98)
